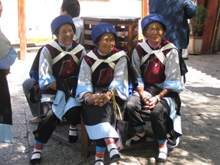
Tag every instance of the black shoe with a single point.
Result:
(131, 141)
(98, 162)
(185, 58)
(161, 161)
(36, 160)
(73, 139)
(115, 157)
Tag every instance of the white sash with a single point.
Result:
(110, 60)
(158, 53)
(64, 53)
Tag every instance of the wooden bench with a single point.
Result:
(86, 145)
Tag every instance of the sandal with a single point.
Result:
(98, 162)
(36, 158)
(171, 146)
(162, 157)
(114, 157)
(136, 139)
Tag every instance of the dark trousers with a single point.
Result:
(159, 116)
(48, 121)
(5, 100)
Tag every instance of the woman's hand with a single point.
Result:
(149, 103)
(91, 98)
(98, 99)
(103, 98)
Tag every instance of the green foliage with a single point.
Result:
(198, 21)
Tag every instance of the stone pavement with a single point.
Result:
(200, 143)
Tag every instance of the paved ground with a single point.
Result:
(200, 143)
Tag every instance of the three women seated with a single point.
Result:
(103, 74)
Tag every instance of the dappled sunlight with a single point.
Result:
(4, 145)
(197, 138)
(200, 111)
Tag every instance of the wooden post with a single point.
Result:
(215, 31)
(22, 29)
(144, 8)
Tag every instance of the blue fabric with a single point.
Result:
(130, 89)
(175, 14)
(102, 28)
(100, 149)
(83, 88)
(38, 143)
(105, 130)
(175, 85)
(9, 59)
(152, 18)
(6, 133)
(34, 74)
(59, 104)
(60, 20)
(138, 128)
(140, 82)
(45, 80)
(71, 103)
(161, 141)
(120, 87)
(177, 126)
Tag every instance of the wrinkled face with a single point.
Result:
(154, 32)
(65, 34)
(106, 43)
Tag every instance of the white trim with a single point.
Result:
(64, 53)
(110, 60)
(105, 130)
(158, 53)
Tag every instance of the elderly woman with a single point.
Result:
(8, 56)
(103, 73)
(58, 71)
(156, 67)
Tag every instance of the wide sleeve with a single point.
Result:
(8, 54)
(46, 77)
(190, 9)
(9, 59)
(172, 72)
(120, 80)
(136, 68)
(84, 81)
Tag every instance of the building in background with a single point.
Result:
(39, 14)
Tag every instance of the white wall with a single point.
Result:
(112, 8)
(9, 19)
(40, 13)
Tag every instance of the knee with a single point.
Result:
(28, 83)
(130, 106)
(24, 85)
(154, 115)
(157, 113)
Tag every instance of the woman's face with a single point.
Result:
(154, 32)
(65, 34)
(106, 43)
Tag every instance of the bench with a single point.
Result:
(87, 145)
